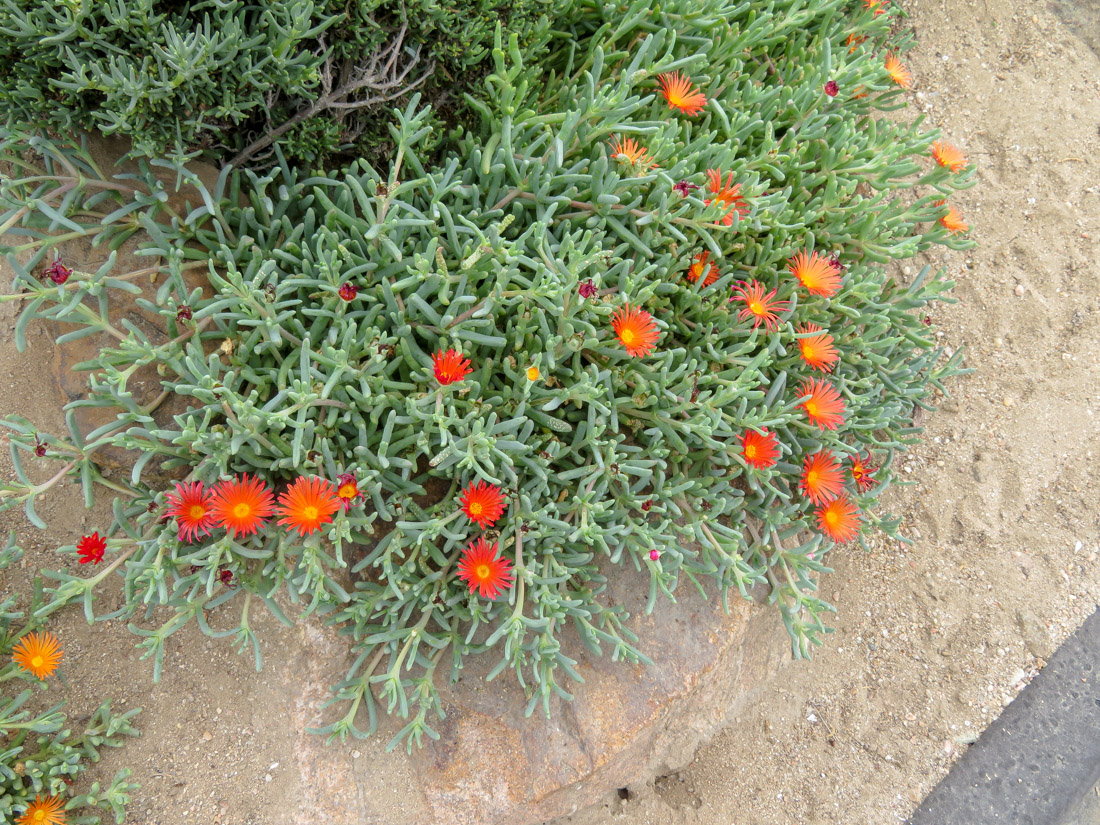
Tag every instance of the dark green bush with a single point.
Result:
(218, 75)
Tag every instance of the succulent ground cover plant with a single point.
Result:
(639, 315)
(41, 758)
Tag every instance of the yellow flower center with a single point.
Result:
(811, 478)
(310, 513)
(242, 510)
(532, 373)
(483, 571)
(750, 451)
(811, 408)
(476, 508)
(39, 815)
(628, 336)
(758, 308)
(197, 511)
(831, 517)
(37, 662)
(348, 491)
(807, 351)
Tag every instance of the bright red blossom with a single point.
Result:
(839, 519)
(190, 505)
(863, 472)
(681, 94)
(308, 503)
(815, 272)
(91, 548)
(760, 450)
(726, 194)
(482, 503)
(824, 407)
(241, 505)
(822, 477)
(817, 350)
(636, 330)
(450, 366)
(482, 571)
(760, 306)
(348, 291)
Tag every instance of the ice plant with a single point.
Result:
(948, 156)
(348, 291)
(450, 366)
(839, 519)
(824, 406)
(953, 221)
(347, 490)
(680, 93)
(241, 505)
(654, 555)
(726, 194)
(815, 272)
(90, 549)
(760, 449)
(636, 329)
(482, 503)
(897, 72)
(190, 506)
(38, 654)
(699, 264)
(863, 472)
(45, 810)
(631, 153)
(482, 571)
(853, 42)
(816, 348)
(307, 504)
(822, 477)
(760, 306)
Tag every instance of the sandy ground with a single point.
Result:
(932, 639)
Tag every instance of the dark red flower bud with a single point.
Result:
(647, 504)
(587, 289)
(348, 291)
(39, 448)
(58, 272)
(226, 577)
(831, 89)
(183, 314)
(683, 187)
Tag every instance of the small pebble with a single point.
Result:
(1020, 290)
(1009, 401)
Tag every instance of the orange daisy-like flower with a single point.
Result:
(307, 504)
(817, 350)
(760, 450)
(48, 810)
(898, 73)
(190, 505)
(450, 366)
(953, 221)
(699, 264)
(839, 519)
(824, 407)
(38, 654)
(863, 472)
(347, 490)
(948, 156)
(91, 548)
(727, 194)
(853, 42)
(681, 94)
(482, 503)
(636, 330)
(822, 477)
(815, 272)
(631, 153)
(241, 505)
(480, 568)
(759, 306)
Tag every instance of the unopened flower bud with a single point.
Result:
(831, 88)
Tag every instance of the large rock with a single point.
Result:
(493, 766)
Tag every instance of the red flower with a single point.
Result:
(822, 477)
(863, 472)
(450, 366)
(347, 490)
(831, 88)
(190, 505)
(480, 568)
(760, 306)
(760, 450)
(482, 503)
(839, 519)
(241, 505)
(58, 272)
(817, 350)
(348, 291)
(587, 289)
(226, 577)
(183, 314)
(824, 407)
(307, 504)
(91, 548)
(636, 330)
